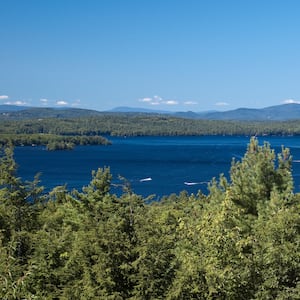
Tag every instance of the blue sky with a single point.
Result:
(177, 55)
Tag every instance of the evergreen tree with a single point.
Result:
(256, 176)
(278, 247)
(20, 203)
(155, 264)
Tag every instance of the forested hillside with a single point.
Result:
(241, 241)
(142, 124)
(65, 133)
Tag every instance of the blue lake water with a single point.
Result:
(152, 165)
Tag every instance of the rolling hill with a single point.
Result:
(273, 113)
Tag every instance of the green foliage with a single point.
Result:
(255, 177)
(241, 241)
(135, 125)
(51, 141)
(278, 251)
(19, 209)
(156, 260)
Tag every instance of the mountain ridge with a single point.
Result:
(279, 112)
(282, 112)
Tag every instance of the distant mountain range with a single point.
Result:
(273, 113)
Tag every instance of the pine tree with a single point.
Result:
(20, 203)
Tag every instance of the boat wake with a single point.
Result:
(145, 179)
(194, 183)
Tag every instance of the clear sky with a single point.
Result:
(175, 55)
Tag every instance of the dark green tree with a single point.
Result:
(20, 203)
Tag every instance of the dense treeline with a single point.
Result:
(64, 134)
(52, 141)
(146, 124)
(241, 241)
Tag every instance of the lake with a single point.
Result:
(152, 165)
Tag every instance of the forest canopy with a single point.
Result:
(145, 124)
(240, 241)
(66, 133)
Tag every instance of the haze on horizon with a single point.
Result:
(165, 55)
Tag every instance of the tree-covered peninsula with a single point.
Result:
(240, 241)
(51, 141)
